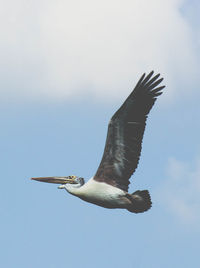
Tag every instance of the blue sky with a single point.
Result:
(66, 68)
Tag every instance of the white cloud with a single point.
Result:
(56, 49)
(181, 191)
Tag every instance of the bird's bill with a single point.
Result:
(58, 180)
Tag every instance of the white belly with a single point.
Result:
(102, 194)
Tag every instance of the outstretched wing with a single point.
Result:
(125, 133)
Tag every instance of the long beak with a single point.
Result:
(58, 180)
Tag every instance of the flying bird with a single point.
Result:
(109, 186)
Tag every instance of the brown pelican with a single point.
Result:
(109, 187)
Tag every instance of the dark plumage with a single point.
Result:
(125, 133)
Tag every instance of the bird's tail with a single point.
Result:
(141, 201)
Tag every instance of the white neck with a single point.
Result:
(72, 188)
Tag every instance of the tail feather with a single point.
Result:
(141, 201)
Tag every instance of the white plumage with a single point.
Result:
(98, 193)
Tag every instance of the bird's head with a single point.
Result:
(67, 182)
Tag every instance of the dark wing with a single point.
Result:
(125, 133)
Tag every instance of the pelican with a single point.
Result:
(109, 186)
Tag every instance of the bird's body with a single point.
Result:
(109, 187)
(99, 193)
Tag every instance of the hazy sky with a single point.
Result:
(66, 66)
